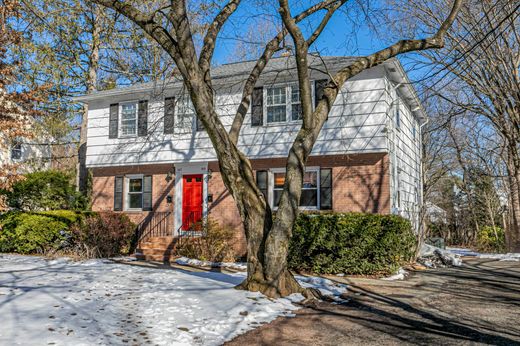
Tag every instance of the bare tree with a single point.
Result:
(267, 237)
(482, 59)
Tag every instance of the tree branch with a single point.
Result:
(271, 48)
(210, 39)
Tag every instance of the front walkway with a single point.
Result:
(478, 303)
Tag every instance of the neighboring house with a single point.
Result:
(28, 155)
(436, 214)
(151, 159)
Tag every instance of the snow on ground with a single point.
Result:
(400, 275)
(60, 302)
(513, 257)
(462, 251)
(199, 263)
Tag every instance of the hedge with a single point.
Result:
(350, 243)
(29, 233)
(45, 190)
(46, 231)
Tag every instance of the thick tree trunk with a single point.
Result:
(514, 226)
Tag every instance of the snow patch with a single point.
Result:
(325, 286)
(199, 263)
(101, 302)
(513, 257)
(400, 275)
(462, 251)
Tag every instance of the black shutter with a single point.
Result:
(118, 194)
(326, 189)
(142, 120)
(261, 182)
(169, 115)
(147, 192)
(257, 107)
(113, 120)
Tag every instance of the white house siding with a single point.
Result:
(34, 156)
(355, 125)
(405, 159)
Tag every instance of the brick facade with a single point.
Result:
(360, 183)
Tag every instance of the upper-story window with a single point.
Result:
(185, 113)
(16, 151)
(128, 126)
(296, 103)
(283, 103)
(276, 104)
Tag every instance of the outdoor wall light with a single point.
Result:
(210, 172)
(169, 176)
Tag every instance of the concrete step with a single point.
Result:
(148, 245)
(164, 252)
(157, 258)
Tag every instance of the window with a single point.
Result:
(276, 105)
(296, 103)
(309, 198)
(16, 151)
(134, 198)
(283, 103)
(414, 131)
(185, 113)
(128, 119)
(137, 193)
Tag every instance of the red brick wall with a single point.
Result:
(360, 184)
(103, 188)
(223, 210)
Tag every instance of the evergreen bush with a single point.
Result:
(30, 233)
(350, 243)
(45, 190)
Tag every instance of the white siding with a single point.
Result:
(405, 160)
(355, 125)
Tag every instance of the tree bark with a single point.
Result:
(92, 78)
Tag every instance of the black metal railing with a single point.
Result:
(155, 224)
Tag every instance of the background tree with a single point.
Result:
(481, 60)
(17, 105)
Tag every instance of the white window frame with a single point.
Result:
(184, 127)
(19, 149)
(288, 102)
(126, 191)
(120, 125)
(270, 186)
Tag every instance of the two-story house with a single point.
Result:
(152, 159)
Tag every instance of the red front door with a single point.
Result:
(191, 200)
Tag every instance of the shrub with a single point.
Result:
(45, 190)
(491, 239)
(29, 233)
(105, 234)
(350, 243)
(214, 244)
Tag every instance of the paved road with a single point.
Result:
(478, 303)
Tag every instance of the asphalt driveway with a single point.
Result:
(476, 304)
